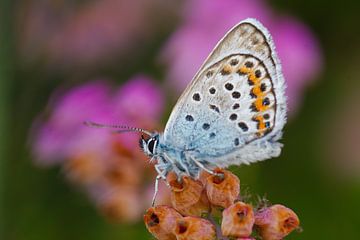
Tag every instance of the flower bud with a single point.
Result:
(84, 169)
(238, 220)
(120, 204)
(188, 195)
(276, 222)
(161, 222)
(194, 228)
(223, 189)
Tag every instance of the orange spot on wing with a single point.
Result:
(257, 91)
(260, 120)
(244, 70)
(259, 104)
(251, 74)
(227, 68)
(252, 77)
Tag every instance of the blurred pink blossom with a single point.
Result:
(92, 33)
(205, 22)
(63, 133)
(110, 167)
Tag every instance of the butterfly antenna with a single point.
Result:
(123, 128)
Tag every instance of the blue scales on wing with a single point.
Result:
(234, 109)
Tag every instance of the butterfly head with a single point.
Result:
(150, 145)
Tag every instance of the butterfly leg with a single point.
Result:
(158, 177)
(160, 172)
(199, 164)
(179, 167)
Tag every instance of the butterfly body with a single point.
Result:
(231, 113)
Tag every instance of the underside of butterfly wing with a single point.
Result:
(235, 102)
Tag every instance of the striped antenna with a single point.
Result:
(123, 128)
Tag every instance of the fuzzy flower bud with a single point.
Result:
(222, 190)
(238, 220)
(188, 195)
(276, 222)
(194, 228)
(161, 222)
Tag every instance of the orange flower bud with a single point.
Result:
(203, 176)
(84, 169)
(222, 190)
(188, 196)
(161, 222)
(194, 228)
(276, 222)
(238, 220)
(120, 204)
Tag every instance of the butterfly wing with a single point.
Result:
(234, 109)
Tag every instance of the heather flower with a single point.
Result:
(205, 22)
(188, 195)
(139, 100)
(56, 138)
(223, 189)
(276, 222)
(161, 222)
(109, 167)
(94, 33)
(119, 204)
(194, 228)
(238, 220)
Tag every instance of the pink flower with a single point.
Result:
(72, 35)
(239, 220)
(161, 222)
(139, 99)
(194, 228)
(109, 167)
(63, 133)
(205, 22)
(188, 196)
(120, 204)
(222, 190)
(276, 222)
(300, 55)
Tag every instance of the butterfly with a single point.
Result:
(231, 113)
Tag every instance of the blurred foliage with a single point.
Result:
(40, 204)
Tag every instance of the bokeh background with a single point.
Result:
(126, 62)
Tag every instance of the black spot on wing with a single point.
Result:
(236, 95)
(236, 106)
(233, 117)
(212, 90)
(215, 108)
(206, 126)
(189, 118)
(243, 126)
(196, 97)
(229, 86)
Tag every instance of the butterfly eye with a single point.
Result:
(151, 145)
